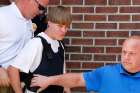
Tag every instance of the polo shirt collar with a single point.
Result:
(17, 11)
(122, 71)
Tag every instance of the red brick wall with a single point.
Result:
(98, 30)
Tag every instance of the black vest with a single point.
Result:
(51, 64)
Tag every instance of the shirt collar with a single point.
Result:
(54, 43)
(50, 40)
(17, 11)
(122, 71)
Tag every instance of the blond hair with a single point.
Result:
(60, 15)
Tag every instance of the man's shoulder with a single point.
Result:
(34, 41)
(5, 9)
(5, 12)
(109, 68)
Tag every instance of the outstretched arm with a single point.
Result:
(15, 79)
(68, 80)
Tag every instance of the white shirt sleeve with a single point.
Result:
(30, 56)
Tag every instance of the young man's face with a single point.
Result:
(57, 31)
(131, 55)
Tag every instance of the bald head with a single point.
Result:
(133, 38)
(132, 41)
(131, 54)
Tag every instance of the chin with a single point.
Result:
(60, 38)
(130, 69)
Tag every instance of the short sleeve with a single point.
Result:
(25, 59)
(93, 79)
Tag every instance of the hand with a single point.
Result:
(40, 81)
(4, 79)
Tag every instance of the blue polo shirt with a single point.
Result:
(112, 79)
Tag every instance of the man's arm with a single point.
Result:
(67, 80)
(4, 79)
(15, 79)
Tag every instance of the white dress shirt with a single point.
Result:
(30, 56)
